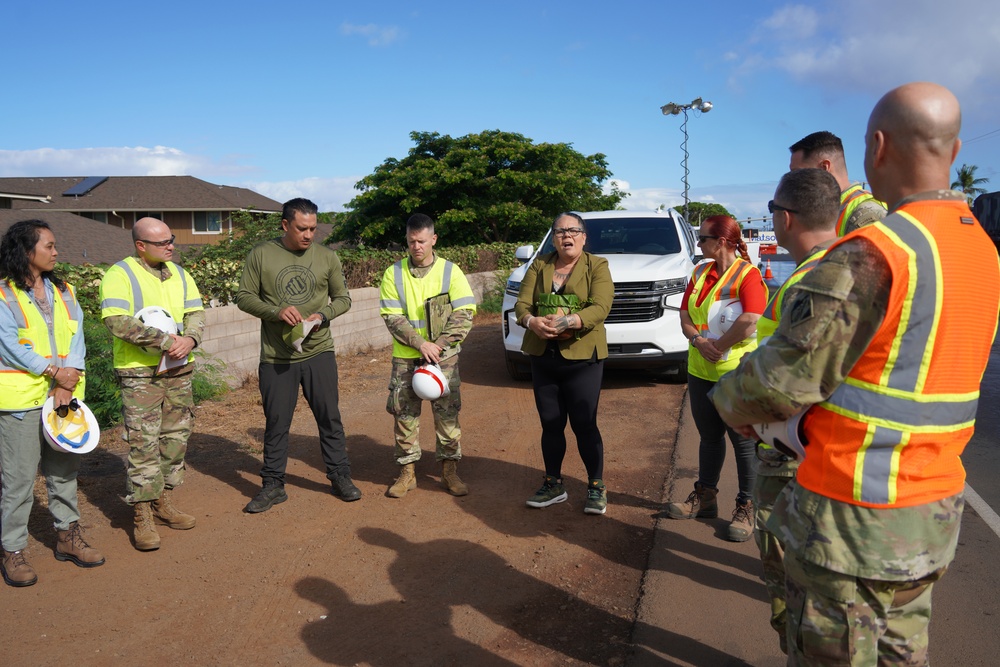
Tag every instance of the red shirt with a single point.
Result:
(753, 292)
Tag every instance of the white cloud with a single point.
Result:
(743, 201)
(329, 194)
(377, 35)
(109, 161)
(857, 45)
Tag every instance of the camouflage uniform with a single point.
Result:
(158, 410)
(858, 579)
(404, 405)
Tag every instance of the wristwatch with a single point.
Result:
(324, 319)
(691, 338)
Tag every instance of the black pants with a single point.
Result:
(712, 448)
(279, 392)
(569, 389)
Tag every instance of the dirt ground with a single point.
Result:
(429, 579)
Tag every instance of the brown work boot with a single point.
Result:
(165, 511)
(407, 481)
(741, 527)
(146, 537)
(71, 546)
(701, 503)
(15, 569)
(449, 476)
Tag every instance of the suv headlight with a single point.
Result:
(671, 286)
(513, 287)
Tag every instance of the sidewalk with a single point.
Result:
(703, 602)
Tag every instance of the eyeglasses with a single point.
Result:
(772, 207)
(702, 239)
(160, 244)
(571, 232)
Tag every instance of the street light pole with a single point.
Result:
(672, 109)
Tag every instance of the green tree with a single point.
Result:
(698, 211)
(492, 186)
(966, 181)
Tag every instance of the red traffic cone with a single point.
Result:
(767, 271)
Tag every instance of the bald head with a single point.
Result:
(912, 141)
(153, 240)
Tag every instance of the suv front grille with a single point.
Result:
(637, 302)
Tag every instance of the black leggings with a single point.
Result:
(569, 389)
(712, 448)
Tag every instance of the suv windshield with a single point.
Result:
(630, 236)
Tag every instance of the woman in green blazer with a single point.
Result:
(564, 299)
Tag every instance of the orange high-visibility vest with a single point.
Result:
(892, 433)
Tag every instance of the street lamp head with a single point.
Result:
(670, 109)
(705, 107)
(695, 103)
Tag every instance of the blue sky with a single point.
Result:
(305, 98)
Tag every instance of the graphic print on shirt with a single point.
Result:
(295, 285)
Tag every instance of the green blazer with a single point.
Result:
(591, 282)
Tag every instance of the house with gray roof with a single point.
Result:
(197, 212)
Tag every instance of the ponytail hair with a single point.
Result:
(725, 227)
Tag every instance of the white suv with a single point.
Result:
(651, 255)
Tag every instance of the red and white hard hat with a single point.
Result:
(429, 383)
(75, 430)
(722, 314)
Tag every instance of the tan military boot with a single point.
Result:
(146, 537)
(701, 503)
(449, 476)
(16, 570)
(165, 511)
(741, 527)
(71, 546)
(407, 481)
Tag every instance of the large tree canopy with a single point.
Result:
(698, 211)
(492, 186)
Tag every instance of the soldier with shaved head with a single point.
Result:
(880, 354)
(154, 366)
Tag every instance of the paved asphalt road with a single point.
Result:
(704, 604)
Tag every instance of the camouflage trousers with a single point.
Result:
(159, 416)
(405, 406)
(771, 480)
(840, 619)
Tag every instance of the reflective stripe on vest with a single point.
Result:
(850, 200)
(20, 389)
(726, 288)
(139, 302)
(866, 428)
(772, 313)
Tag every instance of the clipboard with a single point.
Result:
(437, 310)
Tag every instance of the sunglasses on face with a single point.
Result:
(160, 244)
(772, 207)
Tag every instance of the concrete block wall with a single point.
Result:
(233, 337)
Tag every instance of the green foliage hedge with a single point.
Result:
(217, 269)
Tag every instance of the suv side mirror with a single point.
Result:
(524, 253)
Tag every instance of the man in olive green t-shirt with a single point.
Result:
(288, 282)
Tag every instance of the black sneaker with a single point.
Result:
(266, 498)
(344, 488)
(552, 492)
(597, 498)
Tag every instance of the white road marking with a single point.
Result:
(991, 518)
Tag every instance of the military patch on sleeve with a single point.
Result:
(967, 221)
(801, 309)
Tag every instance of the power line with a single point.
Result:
(981, 136)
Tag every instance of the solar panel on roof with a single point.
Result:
(85, 186)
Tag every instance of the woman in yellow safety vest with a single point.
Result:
(731, 286)
(41, 354)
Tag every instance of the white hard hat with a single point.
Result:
(160, 318)
(77, 432)
(722, 314)
(429, 383)
(784, 436)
